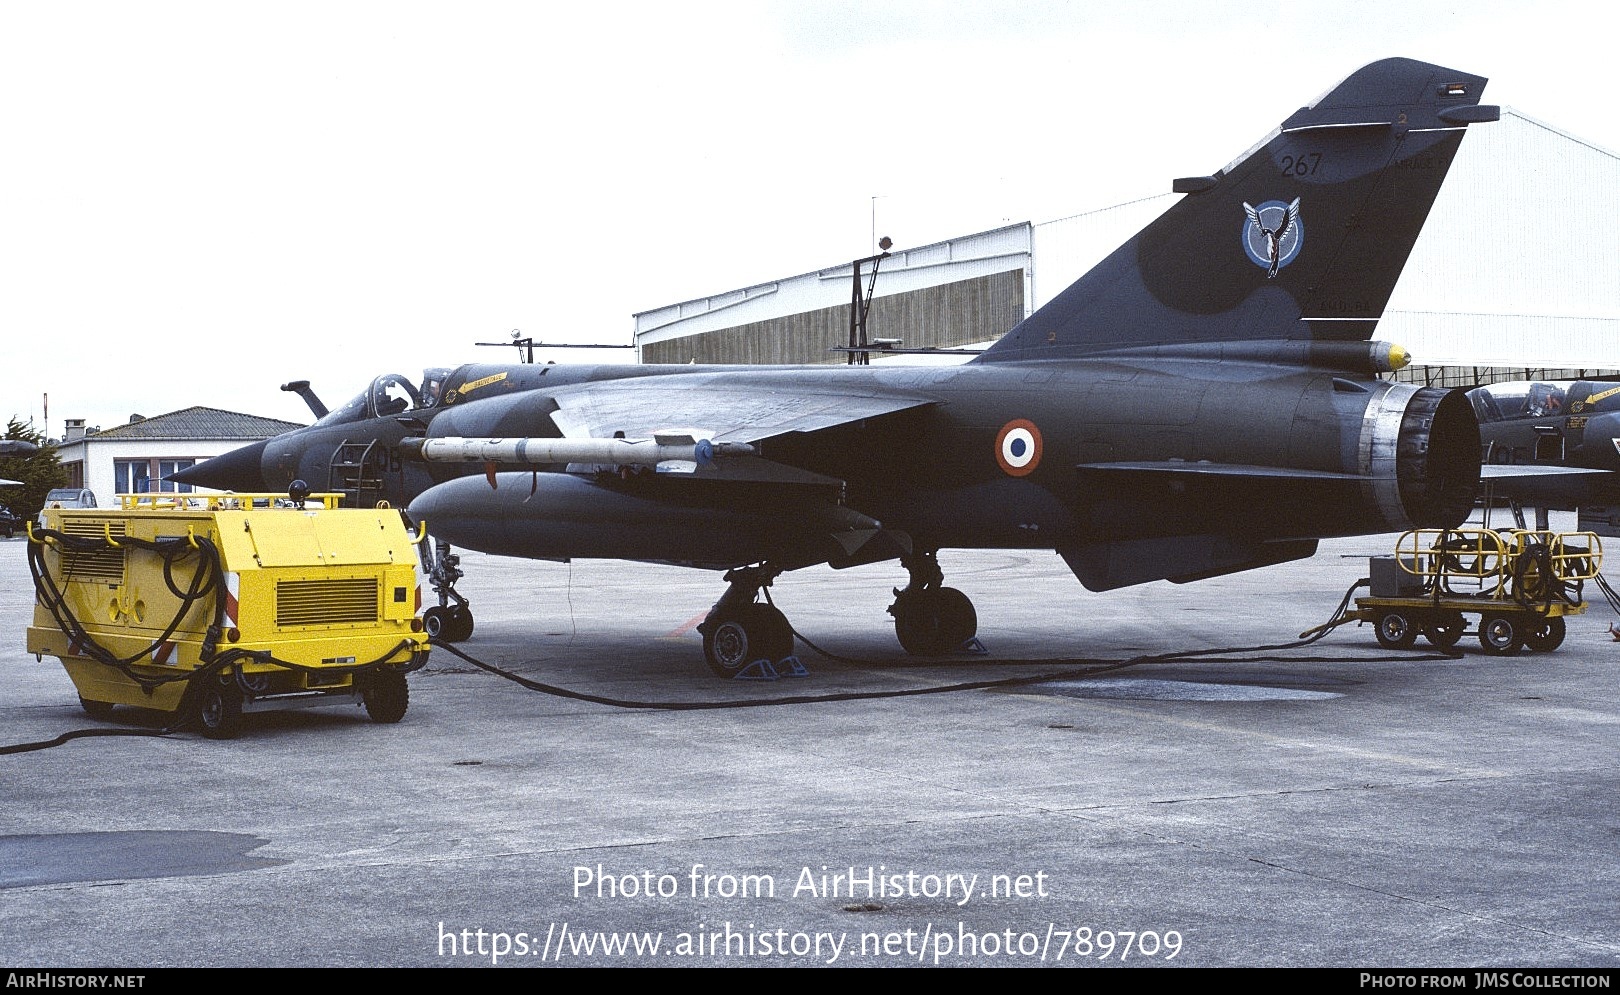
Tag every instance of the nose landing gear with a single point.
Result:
(447, 622)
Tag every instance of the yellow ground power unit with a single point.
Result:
(217, 605)
(1520, 583)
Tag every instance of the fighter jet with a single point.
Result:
(1553, 444)
(1205, 400)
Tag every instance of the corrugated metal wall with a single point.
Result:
(1518, 268)
(1519, 262)
(949, 315)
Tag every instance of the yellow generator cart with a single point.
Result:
(214, 606)
(1521, 584)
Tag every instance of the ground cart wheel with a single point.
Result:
(1546, 634)
(96, 709)
(219, 710)
(385, 694)
(1395, 631)
(1445, 629)
(1500, 635)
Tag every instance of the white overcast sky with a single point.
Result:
(201, 201)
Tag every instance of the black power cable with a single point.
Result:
(1076, 668)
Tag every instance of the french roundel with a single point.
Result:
(1018, 447)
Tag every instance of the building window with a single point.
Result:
(168, 466)
(143, 476)
(132, 476)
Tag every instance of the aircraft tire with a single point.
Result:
(385, 694)
(437, 623)
(1500, 635)
(1395, 631)
(461, 624)
(934, 621)
(1443, 631)
(744, 635)
(219, 710)
(1546, 635)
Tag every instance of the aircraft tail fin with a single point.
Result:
(1302, 238)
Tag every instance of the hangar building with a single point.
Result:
(1516, 275)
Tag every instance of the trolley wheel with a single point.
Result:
(1395, 631)
(385, 694)
(1546, 634)
(95, 709)
(219, 710)
(1500, 635)
(1445, 629)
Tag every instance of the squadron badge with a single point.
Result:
(1272, 234)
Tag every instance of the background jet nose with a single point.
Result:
(237, 470)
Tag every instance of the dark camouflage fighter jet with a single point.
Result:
(1205, 400)
(1553, 444)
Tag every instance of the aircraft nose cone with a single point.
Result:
(237, 470)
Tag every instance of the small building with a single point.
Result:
(134, 458)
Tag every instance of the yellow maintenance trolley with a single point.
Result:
(1521, 583)
(216, 605)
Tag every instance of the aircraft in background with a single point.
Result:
(1205, 400)
(1569, 430)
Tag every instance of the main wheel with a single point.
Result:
(1546, 635)
(1395, 631)
(1500, 635)
(744, 635)
(219, 710)
(1445, 629)
(934, 621)
(386, 695)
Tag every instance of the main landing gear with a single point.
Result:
(743, 637)
(931, 619)
(446, 622)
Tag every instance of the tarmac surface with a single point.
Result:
(1333, 805)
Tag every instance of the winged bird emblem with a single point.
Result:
(1273, 237)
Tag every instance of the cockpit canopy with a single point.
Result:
(390, 394)
(1525, 399)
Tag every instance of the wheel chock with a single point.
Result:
(793, 667)
(973, 646)
(759, 670)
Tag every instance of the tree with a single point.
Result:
(39, 471)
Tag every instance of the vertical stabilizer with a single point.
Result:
(1301, 238)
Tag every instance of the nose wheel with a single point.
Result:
(448, 623)
(451, 620)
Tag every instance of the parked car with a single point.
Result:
(67, 497)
